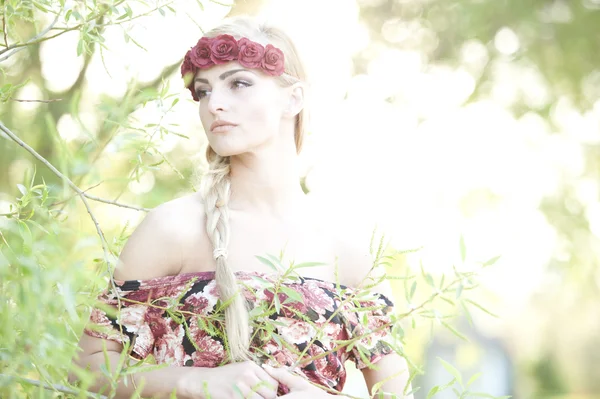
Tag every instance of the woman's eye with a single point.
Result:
(238, 84)
(202, 93)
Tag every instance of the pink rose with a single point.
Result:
(272, 62)
(223, 48)
(200, 53)
(250, 53)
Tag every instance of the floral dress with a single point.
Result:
(312, 324)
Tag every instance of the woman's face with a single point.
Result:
(240, 109)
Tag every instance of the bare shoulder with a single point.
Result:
(159, 243)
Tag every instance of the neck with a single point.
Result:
(266, 183)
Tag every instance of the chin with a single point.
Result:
(226, 151)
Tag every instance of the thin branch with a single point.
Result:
(35, 101)
(82, 195)
(54, 387)
(98, 199)
(143, 14)
(39, 38)
(436, 294)
(18, 47)
(71, 197)
(4, 30)
(80, 192)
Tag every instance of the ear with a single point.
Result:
(296, 98)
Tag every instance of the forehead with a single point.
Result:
(221, 71)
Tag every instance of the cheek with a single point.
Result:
(204, 116)
(263, 112)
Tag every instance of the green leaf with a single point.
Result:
(276, 303)
(449, 368)
(22, 189)
(491, 261)
(308, 264)
(413, 288)
(40, 7)
(448, 300)
(459, 290)
(473, 379)
(432, 391)
(80, 47)
(454, 331)
(481, 307)
(426, 275)
(267, 262)
(429, 280)
(292, 294)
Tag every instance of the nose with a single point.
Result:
(216, 101)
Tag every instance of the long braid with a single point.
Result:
(215, 183)
(215, 188)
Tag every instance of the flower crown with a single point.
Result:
(210, 51)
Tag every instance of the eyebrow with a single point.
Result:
(223, 76)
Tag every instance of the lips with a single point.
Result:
(221, 125)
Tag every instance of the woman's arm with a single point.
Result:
(391, 365)
(157, 384)
(355, 266)
(152, 250)
(224, 382)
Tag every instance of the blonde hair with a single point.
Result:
(215, 183)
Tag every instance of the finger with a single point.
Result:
(285, 377)
(257, 390)
(266, 378)
(265, 389)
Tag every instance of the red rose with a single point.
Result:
(272, 62)
(187, 66)
(200, 53)
(223, 48)
(250, 53)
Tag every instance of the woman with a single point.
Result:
(191, 289)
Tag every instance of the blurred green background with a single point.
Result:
(440, 118)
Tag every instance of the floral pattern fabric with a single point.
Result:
(313, 324)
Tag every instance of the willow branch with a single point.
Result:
(4, 30)
(18, 47)
(72, 185)
(53, 387)
(436, 294)
(81, 194)
(35, 101)
(39, 38)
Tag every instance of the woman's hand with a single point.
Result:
(299, 387)
(237, 380)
